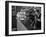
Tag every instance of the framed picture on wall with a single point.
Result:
(24, 18)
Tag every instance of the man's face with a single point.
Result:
(21, 15)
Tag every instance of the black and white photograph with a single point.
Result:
(24, 18)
